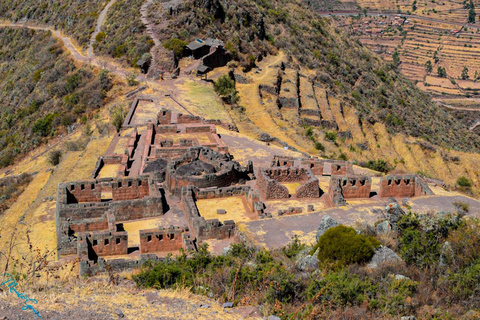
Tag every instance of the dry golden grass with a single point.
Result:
(133, 229)
(200, 99)
(291, 187)
(235, 207)
(108, 171)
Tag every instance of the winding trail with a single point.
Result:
(98, 27)
(77, 55)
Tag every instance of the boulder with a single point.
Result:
(394, 212)
(227, 305)
(326, 223)
(383, 227)
(307, 263)
(382, 255)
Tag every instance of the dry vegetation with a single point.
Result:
(123, 35)
(43, 92)
(77, 18)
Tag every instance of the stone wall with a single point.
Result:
(164, 116)
(102, 243)
(200, 228)
(269, 179)
(226, 173)
(143, 199)
(252, 198)
(317, 166)
(403, 186)
(186, 118)
(91, 268)
(353, 186)
(158, 240)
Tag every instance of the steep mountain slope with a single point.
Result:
(351, 72)
(41, 90)
(76, 18)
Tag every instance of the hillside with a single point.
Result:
(76, 18)
(43, 92)
(351, 72)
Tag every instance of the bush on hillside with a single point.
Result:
(343, 246)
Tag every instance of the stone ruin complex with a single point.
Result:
(182, 161)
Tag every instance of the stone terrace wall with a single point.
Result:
(91, 268)
(157, 240)
(401, 186)
(186, 118)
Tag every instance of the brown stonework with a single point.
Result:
(269, 179)
(401, 186)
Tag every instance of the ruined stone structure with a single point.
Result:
(180, 159)
(400, 186)
(269, 181)
(204, 229)
(205, 168)
(318, 166)
(95, 205)
(349, 187)
(162, 144)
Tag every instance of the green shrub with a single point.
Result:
(464, 182)
(175, 45)
(343, 246)
(100, 36)
(378, 165)
(331, 135)
(319, 146)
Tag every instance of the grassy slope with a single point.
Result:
(76, 18)
(125, 34)
(41, 90)
(353, 73)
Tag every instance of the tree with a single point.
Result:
(471, 13)
(225, 87)
(442, 73)
(414, 5)
(428, 66)
(465, 75)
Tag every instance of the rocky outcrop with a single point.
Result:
(383, 255)
(326, 223)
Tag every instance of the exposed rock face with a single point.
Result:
(382, 255)
(384, 227)
(394, 212)
(307, 263)
(212, 6)
(326, 223)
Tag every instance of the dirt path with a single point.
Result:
(98, 27)
(76, 53)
